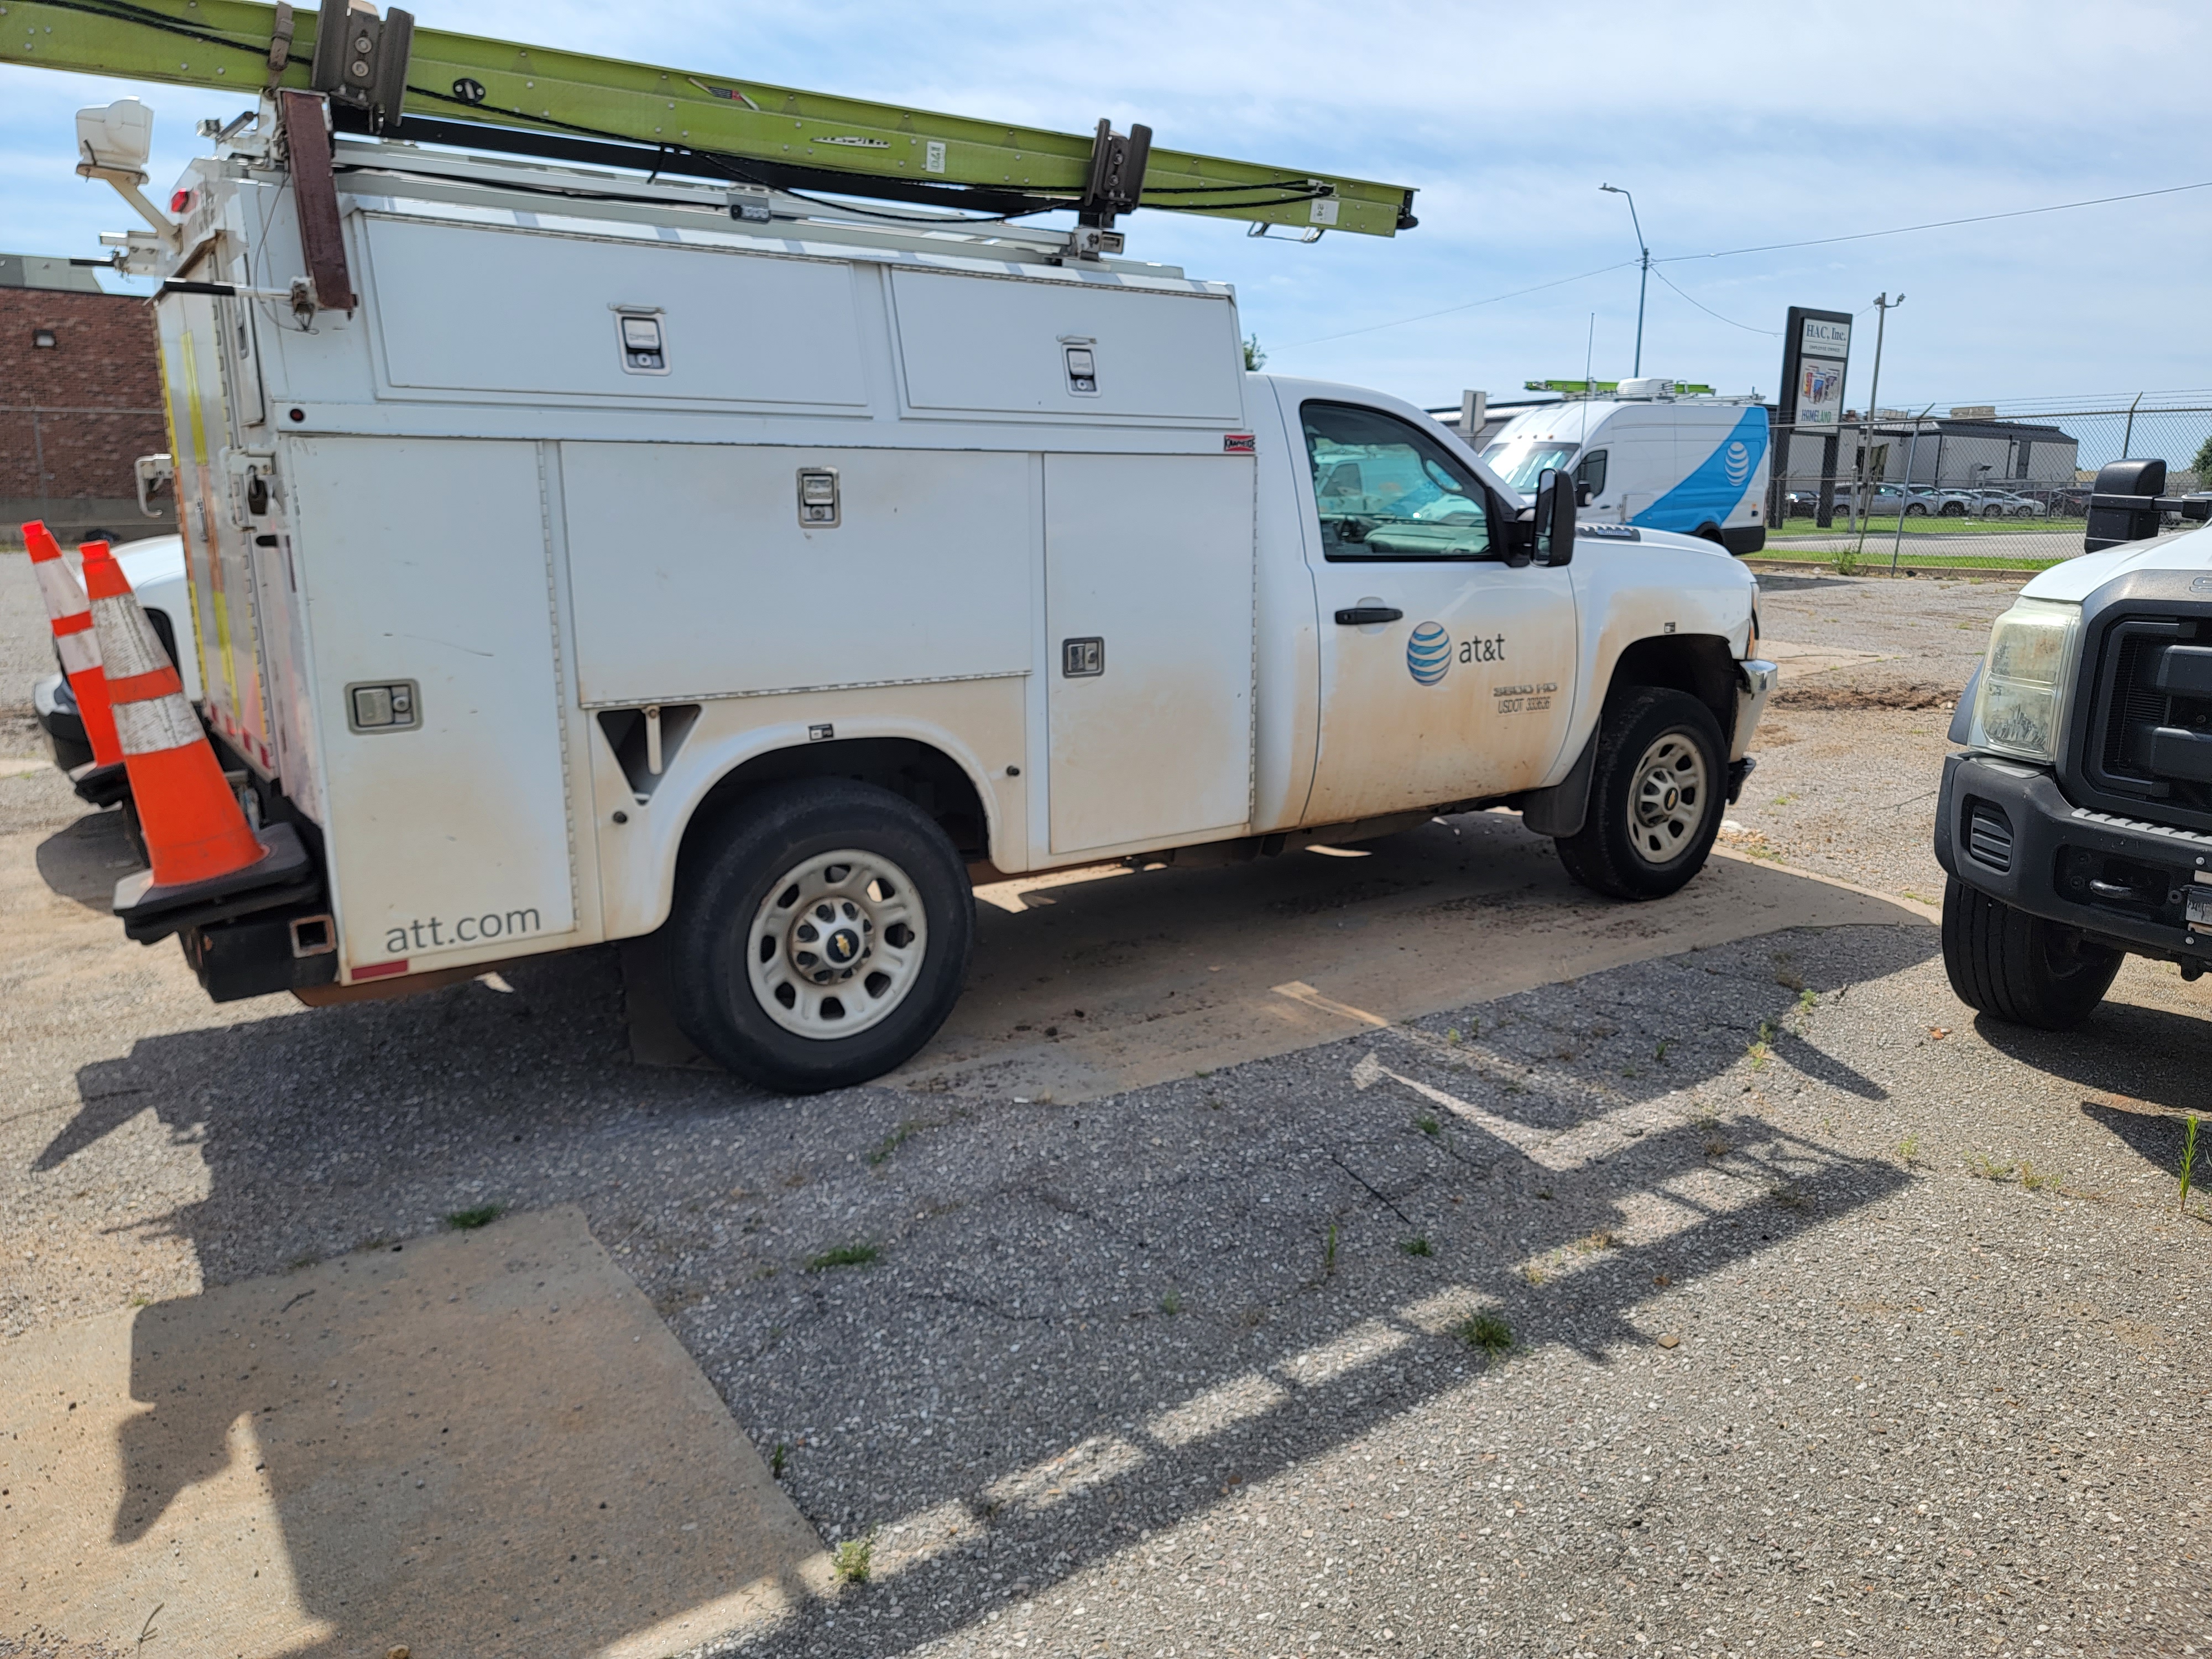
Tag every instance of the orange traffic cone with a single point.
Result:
(193, 827)
(104, 781)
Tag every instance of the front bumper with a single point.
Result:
(1754, 684)
(2004, 830)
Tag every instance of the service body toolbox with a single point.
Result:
(576, 559)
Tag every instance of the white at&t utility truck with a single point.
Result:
(1646, 456)
(579, 556)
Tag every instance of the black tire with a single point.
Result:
(723, 891)
(2019, 968)
(1608, 854)
(1955, 510)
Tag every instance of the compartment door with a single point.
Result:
(438, 698)
(1148, 611)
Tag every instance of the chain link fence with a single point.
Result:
(1972, 486)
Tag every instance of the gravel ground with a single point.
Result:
(1833, 1321)
(1850, 758)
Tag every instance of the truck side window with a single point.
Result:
(1384, 490)
(1591, 473)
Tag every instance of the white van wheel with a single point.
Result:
(838, 944)
(794, 999)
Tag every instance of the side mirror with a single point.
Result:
(1555, 518)
(2124, 506)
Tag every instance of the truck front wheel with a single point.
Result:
(2020, 968)
(1655, 799)
(822, 939)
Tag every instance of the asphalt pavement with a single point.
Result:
(1756, 1299)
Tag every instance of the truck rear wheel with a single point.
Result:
(2020, 968)
(824, 939)
(1656, 797)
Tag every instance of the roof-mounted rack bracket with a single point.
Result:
(361, 62)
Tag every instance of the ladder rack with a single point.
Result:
(384, 76)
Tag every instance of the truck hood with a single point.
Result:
(2076, 579)
(1673, 538)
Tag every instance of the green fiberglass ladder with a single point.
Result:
(383, 76)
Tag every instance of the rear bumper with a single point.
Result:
(2005, 830)
(55, 704)
(1744, 538)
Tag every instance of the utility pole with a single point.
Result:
(1885, 305)
(1644, 259)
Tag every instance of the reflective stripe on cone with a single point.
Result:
(75, 641)
(193, 829)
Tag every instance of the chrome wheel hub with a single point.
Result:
(1669, 803)
(836, 945)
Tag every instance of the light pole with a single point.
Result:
(1885, 305)
(1643, 258)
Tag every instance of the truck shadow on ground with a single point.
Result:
(2154, 1055)
(1065, 1325)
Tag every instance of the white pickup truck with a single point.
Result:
(2075, 821)
(618, 565)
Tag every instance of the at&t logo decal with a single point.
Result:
(1735, 463)
(1428, 654)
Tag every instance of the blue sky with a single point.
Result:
(1735, 125)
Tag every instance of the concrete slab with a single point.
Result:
(1096, 982)
(483, 1443)
(1796, 661)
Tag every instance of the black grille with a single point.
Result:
(2155, 738)
(2137, 709)
(1989, 836)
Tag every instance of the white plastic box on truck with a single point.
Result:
(1647, 457)
(614, 567)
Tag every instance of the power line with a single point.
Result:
(1767, 247)
(1939, 224)
(1775, 333)
(1425, 316)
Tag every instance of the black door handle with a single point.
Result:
(1359, 614)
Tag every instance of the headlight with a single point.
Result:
(2025, 678)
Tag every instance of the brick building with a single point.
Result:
(80, 401)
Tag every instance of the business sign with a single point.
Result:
(1816, 347)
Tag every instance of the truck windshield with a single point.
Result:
(1522, 462)
(1385, 491)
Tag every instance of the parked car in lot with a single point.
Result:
(2005, 504)
(155, 568)
(1886, 500)
(2075, 821)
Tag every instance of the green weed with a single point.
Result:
(852, 1559)
(1328, 1254)
(1908, 1150)
(844, 1255)
(777, 1459)
(1428, 1125)
(881, 1153)
(1171, 1303)
(1487, 1334)
(483, 1215)
(1417, 1245)
(2187, 1159)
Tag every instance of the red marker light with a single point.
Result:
(179, 202)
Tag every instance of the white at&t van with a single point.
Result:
(1695, 465)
